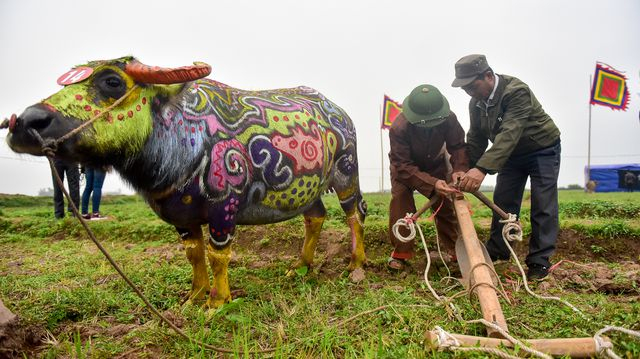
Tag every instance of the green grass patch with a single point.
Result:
(55, 278)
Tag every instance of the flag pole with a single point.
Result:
(381, 155)
(589, 137)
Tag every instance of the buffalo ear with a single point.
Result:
(163, 75)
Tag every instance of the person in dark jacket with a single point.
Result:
(525, 144)
(630, 181)
(427, 151)
(73, 182)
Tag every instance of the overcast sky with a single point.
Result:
(353, 52)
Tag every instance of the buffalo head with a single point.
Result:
(90, 91)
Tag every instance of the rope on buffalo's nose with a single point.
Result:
(94, 118)
(49, 147)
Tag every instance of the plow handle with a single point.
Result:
(433, 200)
(479, 195)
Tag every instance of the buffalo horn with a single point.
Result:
(162, 75)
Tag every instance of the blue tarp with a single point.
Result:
(615, 178)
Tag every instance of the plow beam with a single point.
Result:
(480, 272)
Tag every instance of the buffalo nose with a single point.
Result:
(9, 123)
(33, 118)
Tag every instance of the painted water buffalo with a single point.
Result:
(201, 152)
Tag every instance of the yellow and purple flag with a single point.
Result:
(390, 110)
(609, 88)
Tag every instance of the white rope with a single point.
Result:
(605, 348)
(512, 224)
(512, 231)
(446, 341)
(407, 223)
(512, 339)
(435, 223)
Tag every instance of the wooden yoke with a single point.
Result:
(481, 275)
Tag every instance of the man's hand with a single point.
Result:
(456, 177)
(472, 180)
(443, 189)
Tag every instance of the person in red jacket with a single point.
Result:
(428, 151)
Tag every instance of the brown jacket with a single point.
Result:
(417, 158)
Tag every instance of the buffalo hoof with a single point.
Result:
(198, 297)
(193, 302)
(215, 303)
(356, 264)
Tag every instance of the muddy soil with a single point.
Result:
(18, 338)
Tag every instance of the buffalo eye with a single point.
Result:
(113, 82)
(110, 84)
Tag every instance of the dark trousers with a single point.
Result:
(542, 167)
(94, 181)
(402, 202)
(73, 179)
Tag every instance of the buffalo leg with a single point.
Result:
(355, 209)
(313, 220)
(219, 254)
(194, 247)
(347, 186)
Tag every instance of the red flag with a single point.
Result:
(390, 110)
(609, 88)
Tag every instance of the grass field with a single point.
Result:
(61, 286)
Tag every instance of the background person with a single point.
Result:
(73, 178)
(526, 144)
(630, 181)
(420, 138)
(94, 180)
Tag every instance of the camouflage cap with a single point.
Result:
(468, 68)
(425, 106)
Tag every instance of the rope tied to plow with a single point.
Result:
(446, 341)
(410, 220)
(604, 348)
(511, 231)
(407, 223)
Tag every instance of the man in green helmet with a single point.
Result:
(427, 152)
(525, 144)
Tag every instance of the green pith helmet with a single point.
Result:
(425, 106)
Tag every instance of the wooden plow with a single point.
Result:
(477, 270)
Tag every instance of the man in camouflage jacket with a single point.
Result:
(525, 144)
